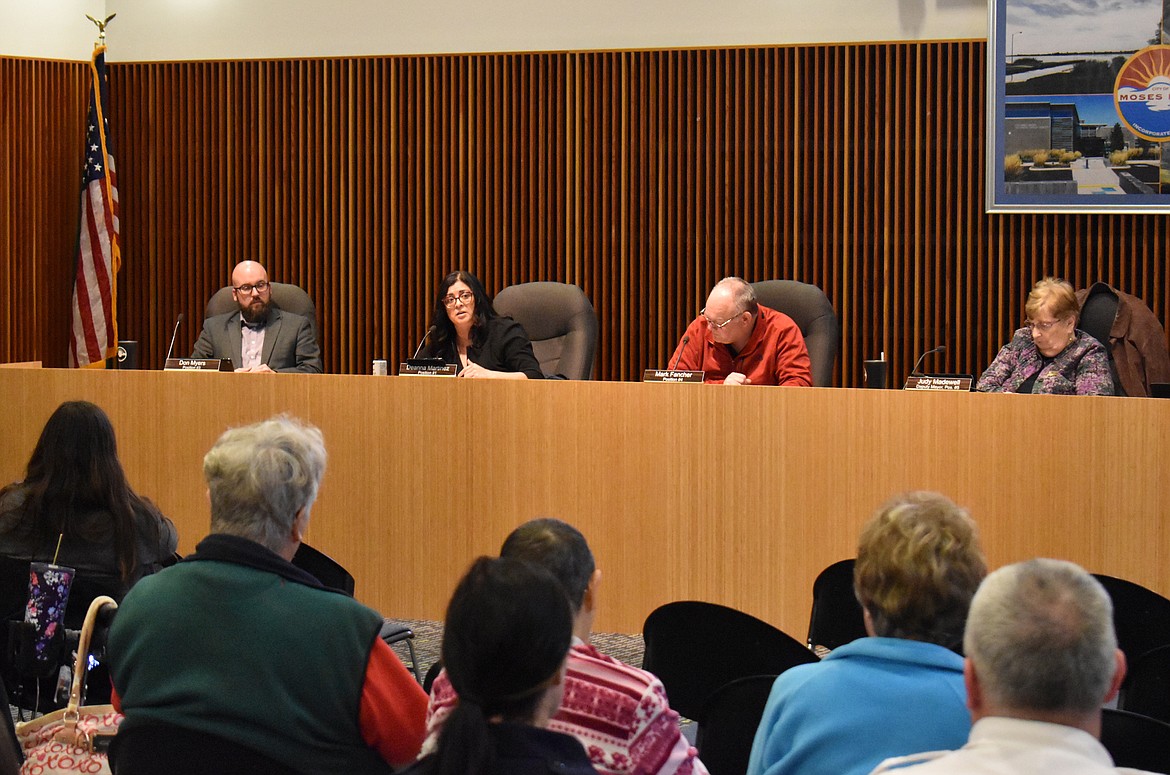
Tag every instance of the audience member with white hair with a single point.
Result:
(236, 644)
(1042, 658)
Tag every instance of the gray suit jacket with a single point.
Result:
(288, 341)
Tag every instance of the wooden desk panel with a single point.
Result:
(737, 496)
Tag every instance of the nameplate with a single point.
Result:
(409, 369)
(939, 383)
(672, 375)
(198, 364)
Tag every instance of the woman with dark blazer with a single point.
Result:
(468, 332)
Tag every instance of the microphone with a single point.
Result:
(171, 349)
(426, 336)
(915, 372)
(681, 348)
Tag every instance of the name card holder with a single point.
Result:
(672, 375)
(950, 382)
(410, 369)
(198, 364)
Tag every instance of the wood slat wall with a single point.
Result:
(42, 137)
(641, 176)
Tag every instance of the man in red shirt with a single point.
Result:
(738, 341)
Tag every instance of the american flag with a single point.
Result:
(94, 335)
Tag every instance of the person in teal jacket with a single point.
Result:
(899, 691)
(237, 643)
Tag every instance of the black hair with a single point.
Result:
(484, 311)
(507, 632)
(74, 470)
(559, 548)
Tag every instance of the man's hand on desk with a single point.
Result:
(735, 378)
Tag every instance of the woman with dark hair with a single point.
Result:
(469, 333)
(75, 490)
(507, 634)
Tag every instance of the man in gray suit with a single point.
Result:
(259, 337)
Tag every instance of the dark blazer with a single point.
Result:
(288, 341)
(505, 347)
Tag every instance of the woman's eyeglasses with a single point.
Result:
(465, 297)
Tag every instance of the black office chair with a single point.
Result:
(728, 723)
(679, 650)
(812, 311)
(560, 322)
(836, 615)
(1141, 618)
(1098, 311)
(1136, 741)
(1147, 685)
(153, 747)
(285, 296)
(332, 574)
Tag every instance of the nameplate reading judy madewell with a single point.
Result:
(198, 364)
(670, 375)
(938, 383)
(414, 370)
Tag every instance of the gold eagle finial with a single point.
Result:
(101, 25)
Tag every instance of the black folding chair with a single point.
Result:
(728, 724)
(1136, 741)
(836, 615)
(333, 575)
(696, 647)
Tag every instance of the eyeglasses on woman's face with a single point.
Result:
(1043, 326)
(464, 296)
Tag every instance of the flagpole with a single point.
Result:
(94, 329)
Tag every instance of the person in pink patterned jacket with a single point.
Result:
(1050, 354)
(618, 712)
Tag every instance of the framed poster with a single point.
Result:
(1078, 106)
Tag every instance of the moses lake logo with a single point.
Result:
(1142, 93)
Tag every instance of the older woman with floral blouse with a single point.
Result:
(1050, 354)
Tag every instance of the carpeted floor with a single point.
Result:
(428, 637)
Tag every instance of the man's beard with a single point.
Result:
(254, 315)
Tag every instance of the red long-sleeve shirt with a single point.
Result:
(775, 353)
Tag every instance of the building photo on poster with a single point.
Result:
(1079, 106)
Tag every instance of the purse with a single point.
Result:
(74, 738)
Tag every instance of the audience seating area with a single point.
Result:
(718, 665)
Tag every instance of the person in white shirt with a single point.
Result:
(1042, 658)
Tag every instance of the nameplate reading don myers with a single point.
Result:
(198, 364)
(670, 375)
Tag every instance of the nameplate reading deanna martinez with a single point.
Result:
(198, 364)
(416, 370)
(938, 383)
(671, 375)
